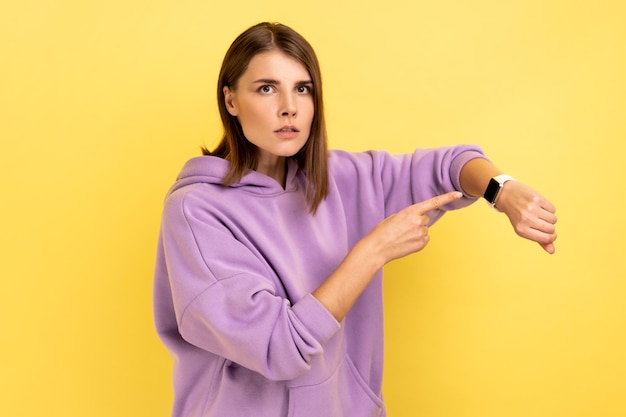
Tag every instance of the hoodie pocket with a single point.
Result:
(344, 394)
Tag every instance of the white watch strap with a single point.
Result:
(502, 178)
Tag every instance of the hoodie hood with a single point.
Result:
(211, 170)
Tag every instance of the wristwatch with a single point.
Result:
(494, 187)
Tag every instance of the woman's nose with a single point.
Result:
(288, 106)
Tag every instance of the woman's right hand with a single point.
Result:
(406, 231)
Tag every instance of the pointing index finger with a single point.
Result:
(437, 201)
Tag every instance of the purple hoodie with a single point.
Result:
(236, 267)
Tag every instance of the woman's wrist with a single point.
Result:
(475, 176)
(368, 254)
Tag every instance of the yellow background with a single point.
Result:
(101, 102)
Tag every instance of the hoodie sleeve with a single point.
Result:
(405, 179)
(225, 305)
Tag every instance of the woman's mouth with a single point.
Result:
(287, 132)
(287, 129)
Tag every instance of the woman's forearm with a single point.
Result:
(344, 286)
(400, 234)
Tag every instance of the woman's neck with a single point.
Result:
(276, 169)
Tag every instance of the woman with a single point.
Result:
(268, 283)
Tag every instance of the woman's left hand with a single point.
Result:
(532, 215)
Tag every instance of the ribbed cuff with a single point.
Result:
(316, 318)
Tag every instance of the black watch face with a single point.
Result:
(492, 191)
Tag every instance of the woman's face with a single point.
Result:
(273, 102)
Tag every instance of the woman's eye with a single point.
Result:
(265, 89)
(303, 89)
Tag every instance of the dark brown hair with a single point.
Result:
(313, 157)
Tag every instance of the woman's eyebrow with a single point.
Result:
(266, 81)
(276, 82)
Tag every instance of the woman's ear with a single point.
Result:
(229, 99)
